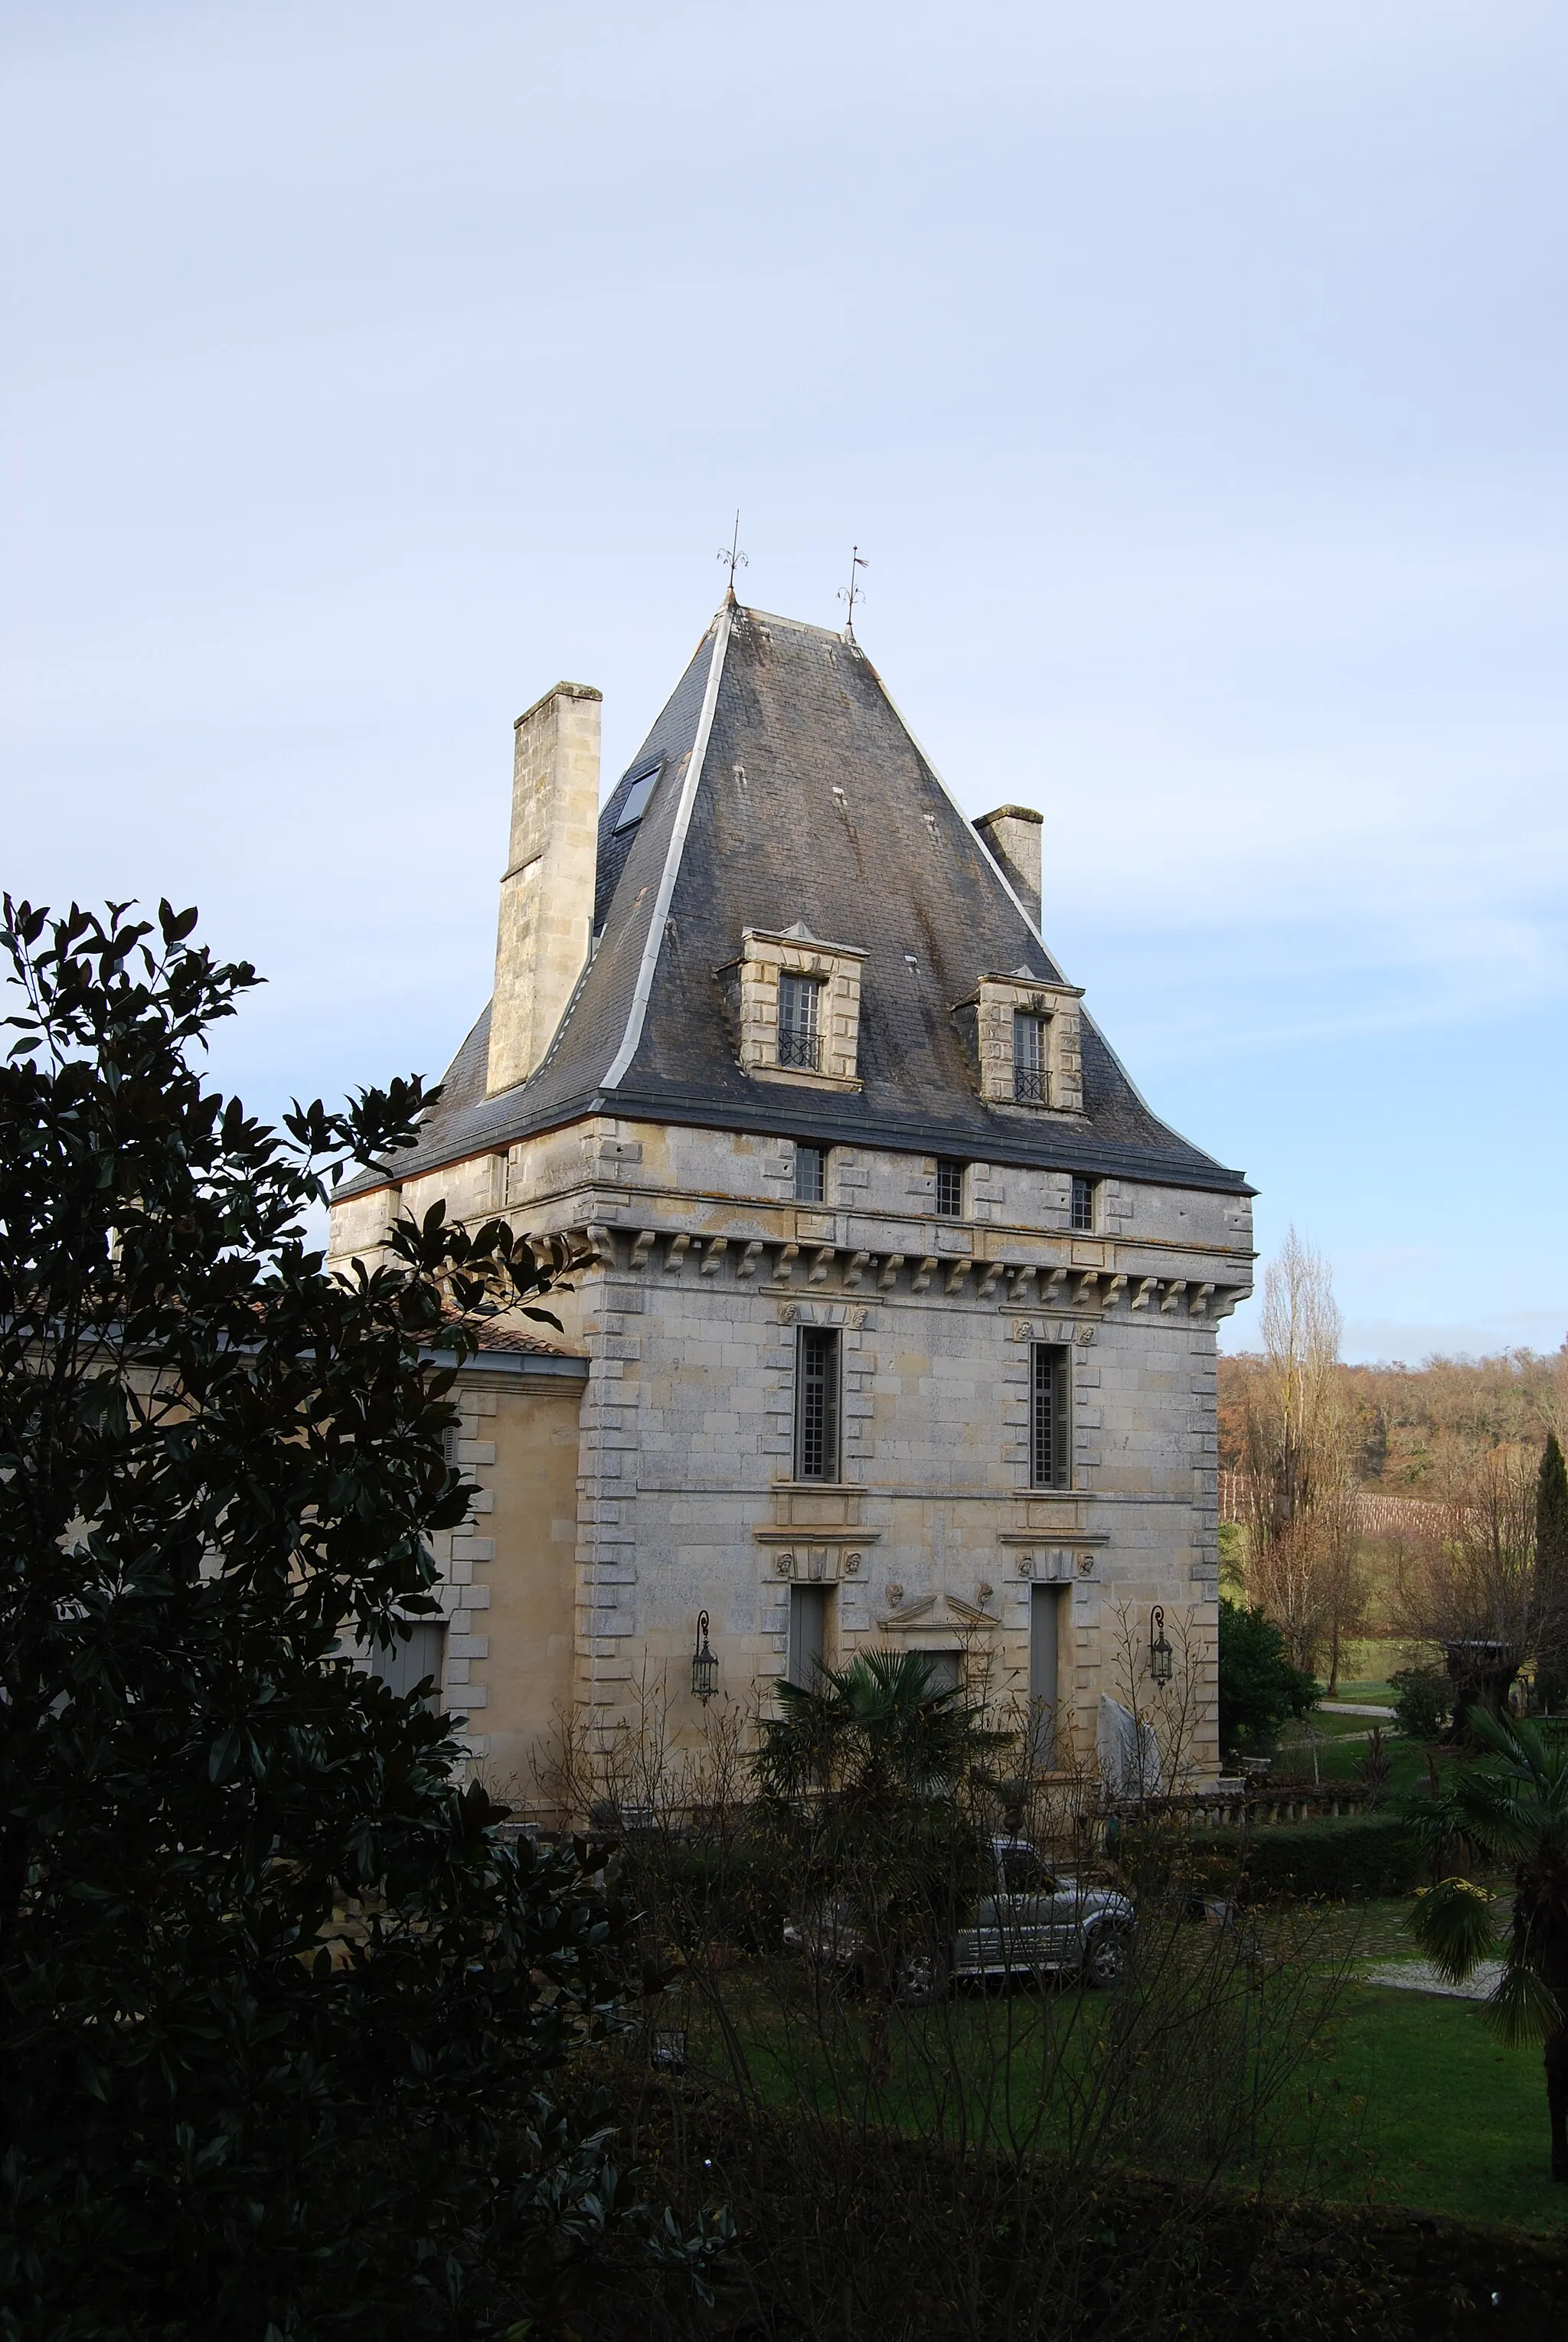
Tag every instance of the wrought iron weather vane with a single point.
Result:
(732, 556)
(854, 592)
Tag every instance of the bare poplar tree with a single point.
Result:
(1303, 1565)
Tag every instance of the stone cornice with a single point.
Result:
(1024, 1290)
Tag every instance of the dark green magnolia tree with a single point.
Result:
(1510, 1806)
(1259, 1688)
(277, 2009)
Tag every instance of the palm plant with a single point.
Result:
(878, 1737)
(864, 1773)
(1511, 1806)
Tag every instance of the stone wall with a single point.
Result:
(698, 1268)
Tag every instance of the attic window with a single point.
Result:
(1028, 1057)
(1028, 1039)
(800, 1021)
(643, 778)
(799, 1008)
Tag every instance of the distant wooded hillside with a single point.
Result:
(1412, 1420)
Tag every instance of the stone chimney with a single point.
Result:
(1012, 837)
(546, 923)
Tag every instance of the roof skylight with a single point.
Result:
(642, 779)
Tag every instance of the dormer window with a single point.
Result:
(1028, 1057)
(635, 804)
(800, 1022)
(799, 1008)
(1027, 1035)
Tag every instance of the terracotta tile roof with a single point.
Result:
(489, 1333)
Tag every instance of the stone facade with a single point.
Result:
(700, 1268)
(976, 1280)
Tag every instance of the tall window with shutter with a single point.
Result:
(808, 1634)
(1050, 1419)
(405, 1664)
(817, 1403)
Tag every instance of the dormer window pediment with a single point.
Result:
(800, 1008)
(1029, 1041)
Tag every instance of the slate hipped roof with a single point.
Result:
(790, 791)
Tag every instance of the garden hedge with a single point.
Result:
(1329, 1861)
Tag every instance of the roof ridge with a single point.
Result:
(637, 1014)
(799, 625)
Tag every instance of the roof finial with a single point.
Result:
(854, 592)
(732, 554)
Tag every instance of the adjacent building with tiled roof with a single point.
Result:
(895, 1316)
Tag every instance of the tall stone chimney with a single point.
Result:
(1012, 835)
(546, 923)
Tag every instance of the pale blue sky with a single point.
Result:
(1193, 375)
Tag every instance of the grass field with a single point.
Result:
(1332, 1748)
(1366, 1666)
(1439, 2116)
(1405, 2099)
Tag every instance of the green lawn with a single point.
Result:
(1341, 1742)
(1430, 2111)
(1365, 1666)
(1403, 2098)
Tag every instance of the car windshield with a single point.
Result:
(1022, 1872)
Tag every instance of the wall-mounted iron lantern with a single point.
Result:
(705, 1666)
(1161, 1657)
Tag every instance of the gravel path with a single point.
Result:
(1420, 1975)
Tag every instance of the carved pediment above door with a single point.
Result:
(936, 1612)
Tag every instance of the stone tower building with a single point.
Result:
(897, 1315)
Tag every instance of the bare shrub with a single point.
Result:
(946, 2171)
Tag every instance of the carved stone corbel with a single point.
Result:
(783, 1268)
(957, 1273)
(647, 1238)
(674, 1258)
(717, 1248)
(747, 1264)
(889, 1270)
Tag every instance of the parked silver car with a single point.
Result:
(1032, 1921)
